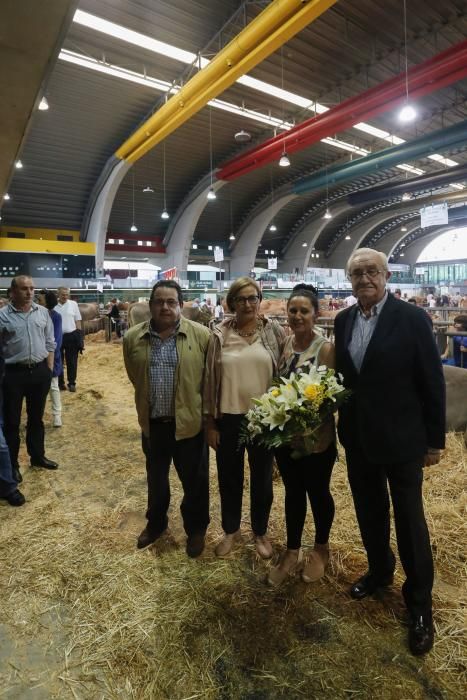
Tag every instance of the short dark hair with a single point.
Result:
(307, 291)
(171, 284)
(462, 321)
(50, 297)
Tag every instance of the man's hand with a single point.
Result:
(432, 457)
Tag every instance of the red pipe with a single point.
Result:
(447, 67)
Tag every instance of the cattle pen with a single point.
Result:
(86, 615)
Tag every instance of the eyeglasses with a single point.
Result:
(253, 299)
(358, 274)
(171, 303)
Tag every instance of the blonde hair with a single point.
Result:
(237, 286)
(367, 251)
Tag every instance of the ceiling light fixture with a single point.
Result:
(327, 214)
(165, 214)
(43, 104)
(347, 238)
(407, 113)
(18, 165)
(6, 196)
(231, 237)
(194, 246)
(273, 227)
(148, 188)
(284, 161)
(304, 244)
(406, 196)
(133, 227)
(403, 228)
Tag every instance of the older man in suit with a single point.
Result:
(393, 426)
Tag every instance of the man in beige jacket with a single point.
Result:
(164, 359)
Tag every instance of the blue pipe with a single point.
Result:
(455, 135)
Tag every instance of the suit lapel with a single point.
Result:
(349, 322)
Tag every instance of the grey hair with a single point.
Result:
(366, 251)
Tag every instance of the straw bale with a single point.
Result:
(85, 615)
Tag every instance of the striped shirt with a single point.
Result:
(362, 332)
(162, 365)
(26, 336)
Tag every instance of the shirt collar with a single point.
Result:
(376, 309)
(13, 310)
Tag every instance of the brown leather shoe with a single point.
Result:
(263, 547)
(290, 562)
(316, 564)
(195, 544)
(224, 547)
(147, 537)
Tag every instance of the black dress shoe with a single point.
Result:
(15, 498)
(44, 463)
(369, 584)
(72, 388)
(195, 544)
(421, 634)
(17, 476)
(62, 387)
(146, 538)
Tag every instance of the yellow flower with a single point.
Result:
(312, 391)
(275, 392)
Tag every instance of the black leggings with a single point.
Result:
(310, 475)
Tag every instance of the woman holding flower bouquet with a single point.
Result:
(242, 358)
(308, 475)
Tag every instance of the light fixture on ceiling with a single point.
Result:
(43, 104)
(18, 165)
(195, 246)
(242, 136)
(231, 237)
(266, 252)
(284, 161)
(133, 227)
(148, 188)
(406, 196)
(6, 197)
(209, 247)
(403, 229)
(272, 252)
(402, 245)
(211, 194)
(273, 227)
(401, 255)
(327, 214)
(304, 244)
(165, 214)
(408, 112)
(347, 238)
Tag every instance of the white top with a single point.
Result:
(69, 311)
(246, 372)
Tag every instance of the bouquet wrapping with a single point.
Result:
(292, 411)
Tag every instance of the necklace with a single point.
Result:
(246, 334)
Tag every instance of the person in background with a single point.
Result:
(350, 300)
(308, 476)
(9, 490)
(28, 345)
(164, 359)
(114, 317)
(397, 294)
(243, 356)
(391, 427)
(195, 304)
(48, 299)
(219, 311)
(456, 348)
(72, 342)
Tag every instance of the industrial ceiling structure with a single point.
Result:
(320, 89)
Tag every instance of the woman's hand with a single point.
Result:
(212, 437)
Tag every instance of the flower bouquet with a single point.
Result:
(292, 411)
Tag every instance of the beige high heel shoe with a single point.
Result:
(290, 562)
(316, 564)
(224, 547)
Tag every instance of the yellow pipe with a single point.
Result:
(271, 29)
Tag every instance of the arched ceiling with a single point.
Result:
(351, 47)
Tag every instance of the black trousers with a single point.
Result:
(309, 476)
(69, 352)
(191, 461)
(369, 483)
(230, 471)
(33, 385)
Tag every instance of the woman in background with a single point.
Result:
(49, 299)
(308, 476)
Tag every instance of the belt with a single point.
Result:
(163, 419)
(25, 365)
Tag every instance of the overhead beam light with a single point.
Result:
(273, 227)
(43, 104)
(18, 165)
(6, 197)
(189, 58)
(148, 188)
(407, 114)
(406, 196)
(231, 237)
(211, 195)
(327, 214)
(457, 186)
(165, 214)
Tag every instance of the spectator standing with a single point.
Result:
(28, 345)
(114, 317)
(164, 359)
(392, 426)
(219, 311)
(8, 483)
(72, 342)
(48, 299)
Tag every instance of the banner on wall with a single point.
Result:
(434, 215)
(272, 263)
(218, 254)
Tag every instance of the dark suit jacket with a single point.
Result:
(397, 409)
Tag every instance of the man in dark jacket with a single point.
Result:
(393, 426)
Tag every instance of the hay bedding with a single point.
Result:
(85, 615)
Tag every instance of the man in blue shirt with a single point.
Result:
(28, 345)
